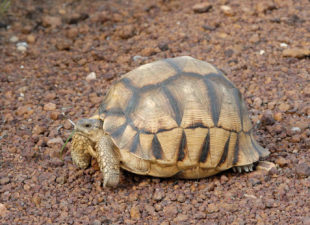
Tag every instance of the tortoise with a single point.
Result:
(174, 117)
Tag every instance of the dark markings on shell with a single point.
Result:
(236, 152)
(132, 104)
(174, 104)
(238, 99)
(205, 148)
(225, 152)
(174, 65)
(181, 153)
(128, 83)
(255, 147)
(156, 148)
(220, 79)
(215, 103)
(119, 131)
(196, 125)
(135, 143)
(115, 111)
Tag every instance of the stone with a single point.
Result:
(263, 7)
(284, 107)
(91, 76)
(150, 209)
(265, 165)
(180, 218)
(181, 198)
(4, 180)
(54, 115)
(212, 208)
(127, 32)
(295, 130)
(14, 39)
(135, 212)
(96, 222)
(64, 44)
(3, 210)
(49, 106)
(257, 102)
(303, 170)
(307, 90)
(38, 130)
(254, 38)
(278, 116)
(202, 7)
(163, 46)
(31, 38)
(170, 211)
(158, 195)
(267, 118)
(296, 52)
(21, 48)
(55, 141)
(306, 220)
(56, 162)
(227, 10)
(148, 51)
(72, 32)
(139, 58)
(281, 161)
(36, 199)
(51, 21)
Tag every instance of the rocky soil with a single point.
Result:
(58, 58)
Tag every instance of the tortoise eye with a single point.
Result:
(87, 125)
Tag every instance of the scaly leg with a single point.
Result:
(79, 151)
(108, 160)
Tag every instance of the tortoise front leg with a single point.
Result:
(80, 151)
(108, 160)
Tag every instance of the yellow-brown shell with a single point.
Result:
(180, 112)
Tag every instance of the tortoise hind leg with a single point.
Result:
(246, 168)
(79, 151)
(108, 160)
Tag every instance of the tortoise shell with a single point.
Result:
(179, 116)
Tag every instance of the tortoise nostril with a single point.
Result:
(87, 125)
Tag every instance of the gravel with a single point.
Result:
(66, 42)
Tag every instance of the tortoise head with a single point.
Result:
(91, 128)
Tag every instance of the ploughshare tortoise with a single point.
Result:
(177, 116)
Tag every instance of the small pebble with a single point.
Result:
(265, 165)
(21, 48)
(296, 52)
(303, 170)
(4, 180)
(49, 106)
(283, 45)
(91, 76)
(139, 57)
(278, 116)
(267, 118)
(295, 130)
(158, 195)
(202, 7)
(13, 39)
(281, 161)
(38, 130)
(55, 141)
(227, 10)
(31, 38)
(135, 212)
(3, 210)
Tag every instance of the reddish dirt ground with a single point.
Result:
(263, 46)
